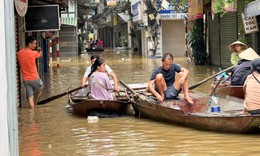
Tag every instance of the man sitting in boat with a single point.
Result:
(99, 81)
(109, 71)
(243, 67)
(165, 83)
(252, 91)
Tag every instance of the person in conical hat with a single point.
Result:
(236, 48)
(243, 67)
(252, 91)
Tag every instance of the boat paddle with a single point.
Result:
(213, 91)
(59, 95)
(205, 80)
(127, 87)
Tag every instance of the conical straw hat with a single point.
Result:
(248, 54)
(231, 47)
(238, 42)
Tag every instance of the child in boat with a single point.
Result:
(252, 89)
(236, 48)
(99, 82)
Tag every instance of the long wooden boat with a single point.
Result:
(227, 89)
(83, 104)
(95, 50)
(198, 116)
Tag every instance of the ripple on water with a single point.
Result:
(51, 130)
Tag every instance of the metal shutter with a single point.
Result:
(228, 34)
(68, 41)
(214, 42)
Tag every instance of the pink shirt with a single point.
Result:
(252, 92)
(100, 43)
(99, 86)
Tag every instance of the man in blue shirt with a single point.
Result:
(164, 85)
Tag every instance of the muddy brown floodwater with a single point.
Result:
(51, 130)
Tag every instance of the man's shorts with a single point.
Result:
(32, 86)
(171, 92)
(254, 112)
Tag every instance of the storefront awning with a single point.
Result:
(124, 17)
(252, 8)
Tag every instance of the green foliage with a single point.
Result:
(220, 4)
(196, 41)
(123, 41)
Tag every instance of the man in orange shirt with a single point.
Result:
(31, 80)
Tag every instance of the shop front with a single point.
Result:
(171, 36)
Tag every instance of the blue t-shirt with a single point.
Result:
(169, 75)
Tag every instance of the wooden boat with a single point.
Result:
(84, 104)
(197, 115)
(95, 50)
(227, 89)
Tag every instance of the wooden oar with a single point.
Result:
(213, 91)
(205, 80)
(127, 87)
(58, 96)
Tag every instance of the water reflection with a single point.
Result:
(51, 130)
(29, 135)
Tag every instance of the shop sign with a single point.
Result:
(21, 7)
(69, 21)
(140, 26)
(111, 3)
(250, 24)
(172, 16)
(136, 11)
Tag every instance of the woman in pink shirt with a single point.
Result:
(99, 81)
(252, 89)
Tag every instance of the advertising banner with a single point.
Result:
(195, 10)
(136, 11)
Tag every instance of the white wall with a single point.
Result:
(4, 142)
(8, 115)
(173, 37)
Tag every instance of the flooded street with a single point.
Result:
(52, 130)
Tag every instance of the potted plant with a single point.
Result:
(123, 41)
(196, 41)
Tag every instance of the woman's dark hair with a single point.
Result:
(167, 56)
(29, 39)
(98, 62)
(94, 57)
(256, 65)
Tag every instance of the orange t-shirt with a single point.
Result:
(27, 58)
(252, 98)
